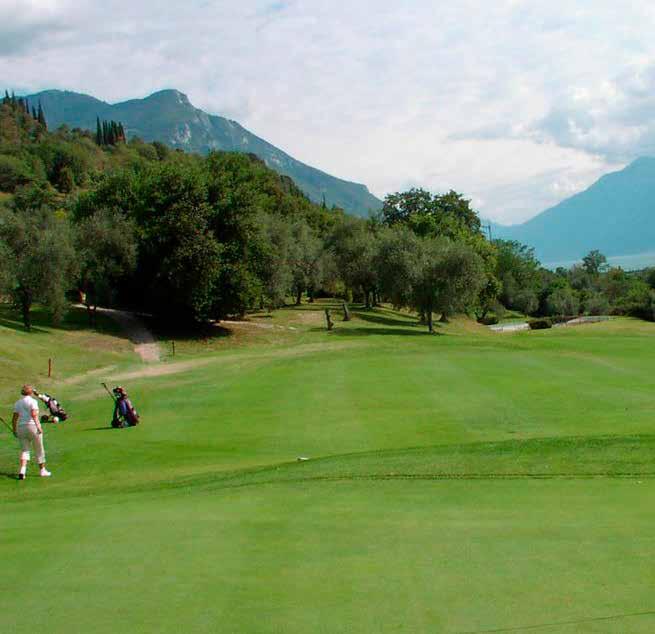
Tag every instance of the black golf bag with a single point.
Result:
(125, 414)
(55, 410)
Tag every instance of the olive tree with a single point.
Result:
(42, 262)
(107, 249)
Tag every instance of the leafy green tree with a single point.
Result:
(275, 269)
(396, 263)
(179, 264)
(448, 215)
(650, 278)
(100, 139)
(107, 247)
(594, 263)
(526, 301)
(517, 269)
(355, 250)
(306, 260)
(462, 279)
(14, 172)
(563, 301)
(637, 300)
(66, 180)
(615, 284)
(595, 303)
(41, 117)
(43, 260)
(429, 274)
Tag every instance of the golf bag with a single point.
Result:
(56, 412)
(125, 414)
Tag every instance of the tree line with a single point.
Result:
(192, 239)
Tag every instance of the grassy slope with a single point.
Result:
(419, 510)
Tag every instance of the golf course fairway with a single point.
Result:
(462, 482)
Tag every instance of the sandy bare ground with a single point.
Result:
(145, 344)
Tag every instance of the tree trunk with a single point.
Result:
(311, 295)
(346, 312)
(444, 318)
(328, 319)
(298, 296)
(430, 322)
(26, 306)
(367, 294)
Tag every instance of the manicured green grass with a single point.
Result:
(468, 481)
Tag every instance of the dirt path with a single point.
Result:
(145, 344)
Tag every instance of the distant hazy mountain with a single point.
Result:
(615, 215)
(169, 117)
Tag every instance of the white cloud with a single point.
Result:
(515, 103)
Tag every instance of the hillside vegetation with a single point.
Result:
(169, 117)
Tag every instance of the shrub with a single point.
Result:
(596, 304)
(526, 301)
(13, 173)
(540, 324)
(563, 301)
(638, 302)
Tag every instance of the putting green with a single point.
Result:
(460, 483)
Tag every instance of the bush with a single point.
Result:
(526, 301)
(596, 304)
(489, 320)
(563, 301)
(638, 302)
(13, 173)
(540, 324)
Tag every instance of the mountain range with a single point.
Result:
(168, 116)
(616, 215)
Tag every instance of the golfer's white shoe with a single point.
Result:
(45, 473)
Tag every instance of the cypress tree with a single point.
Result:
(35, 116)
(6, 98)
(41, 116)
(99, 138)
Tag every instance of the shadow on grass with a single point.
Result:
(76, 318)
(383, 319)
(18, 326)
(10, 475)
(186, 332)
(369, 331)
(105, 428)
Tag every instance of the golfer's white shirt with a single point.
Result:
(24, 408)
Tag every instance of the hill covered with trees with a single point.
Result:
(192, 238)
(168, 116)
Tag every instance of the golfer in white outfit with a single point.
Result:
(27, 428)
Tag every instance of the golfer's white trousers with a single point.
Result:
(28, 436)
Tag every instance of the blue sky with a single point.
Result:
(518, 104)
